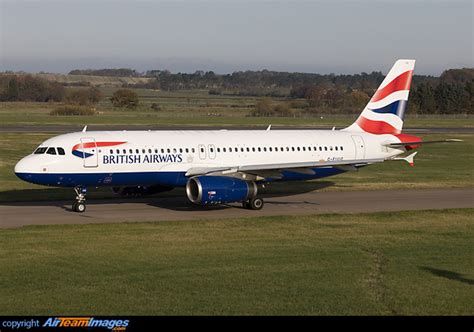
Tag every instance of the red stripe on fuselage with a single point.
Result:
(400, 83)
(94, 144)
(376, 127)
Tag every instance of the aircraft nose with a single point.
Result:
(23, 169)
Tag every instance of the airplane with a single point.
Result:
(226, 166)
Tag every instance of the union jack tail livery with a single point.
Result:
(385, 110)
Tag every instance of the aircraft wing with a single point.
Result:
(299, 167)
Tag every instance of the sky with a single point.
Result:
(350, 36)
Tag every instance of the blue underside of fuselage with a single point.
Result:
(174, 179)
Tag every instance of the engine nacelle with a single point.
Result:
(219, 189)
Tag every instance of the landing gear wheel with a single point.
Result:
(246, 205)
(80, 207)
(256, 204)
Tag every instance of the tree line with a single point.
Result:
(36, 89)
(451, 93)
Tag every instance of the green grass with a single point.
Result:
(402, 263)
(194, 108)
(436, 166)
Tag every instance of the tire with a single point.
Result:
(80, 207)
(74, 206)
(256, 204)
(246, 205)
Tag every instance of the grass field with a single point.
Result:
(403, 263)
(195, 107)
(436, 166)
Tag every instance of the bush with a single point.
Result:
(83, 96)
(155, 107)
(263, 107)
(72, 110)
(124, 98)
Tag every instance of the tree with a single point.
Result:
(124, 98)
(94, 95)
(12, 90)
(264, 108)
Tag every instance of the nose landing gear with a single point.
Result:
(80, 204)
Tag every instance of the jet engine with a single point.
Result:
(219, 189)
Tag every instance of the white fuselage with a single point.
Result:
(115, 158)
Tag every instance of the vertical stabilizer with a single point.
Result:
(385, 111)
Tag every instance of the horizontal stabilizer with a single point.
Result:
(449, 140)
(409, 159)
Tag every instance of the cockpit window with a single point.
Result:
(51, 151)
(40, 150)
(61, 151)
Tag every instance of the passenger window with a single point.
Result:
(218, 149)
(304, 149)
(143, 150)
(111, 151)
(187, 150)
(336, 148)
(61, 151)
(137, 151)
(130, 150)
(192, 150)
(223, 150)
(149, 150)
(341, 148)
(168, 150)
(162, 150)
(230, 149)
(325, 148)
(253, 149)
(118, 151)
(124, 151)
(51, 151)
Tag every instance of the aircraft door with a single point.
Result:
(202, 151)
(359, 145)
(89, 152)
(212, 151)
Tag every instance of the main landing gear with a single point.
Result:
(80, 204)
(254, 203)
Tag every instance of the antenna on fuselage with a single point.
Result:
(84, 129)
(269, 127)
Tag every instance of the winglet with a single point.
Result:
(84, 129)
(409, 159)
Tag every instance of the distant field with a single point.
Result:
(195, 107)
(436, 166)
(397, 263)
(94, 80)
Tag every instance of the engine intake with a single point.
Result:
(219, 189)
